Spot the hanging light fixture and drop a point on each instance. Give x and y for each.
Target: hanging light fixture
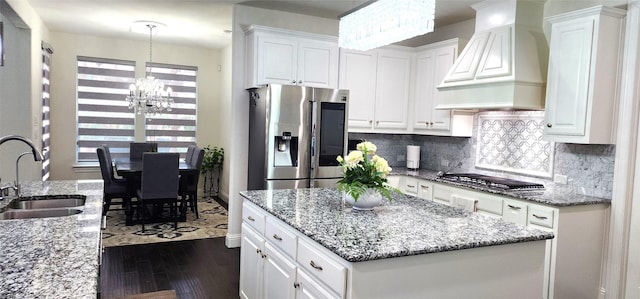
(148, 94)
(383, 22)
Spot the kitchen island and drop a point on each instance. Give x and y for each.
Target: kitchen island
(52, 257)
(410, 248)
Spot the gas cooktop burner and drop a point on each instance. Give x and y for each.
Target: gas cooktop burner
(491, 181)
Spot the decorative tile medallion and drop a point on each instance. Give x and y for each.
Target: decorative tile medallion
(512, 141)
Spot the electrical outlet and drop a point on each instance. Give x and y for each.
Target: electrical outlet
(444, 162)
(400, 157)
(560, 179)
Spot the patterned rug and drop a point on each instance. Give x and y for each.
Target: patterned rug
(212, 223)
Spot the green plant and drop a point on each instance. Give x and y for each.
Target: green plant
(362, 172)
(213, 158)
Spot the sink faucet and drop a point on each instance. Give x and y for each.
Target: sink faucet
(37, 156)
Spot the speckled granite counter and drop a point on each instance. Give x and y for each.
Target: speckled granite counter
(407, 226)
(554, 196)
(52, 257)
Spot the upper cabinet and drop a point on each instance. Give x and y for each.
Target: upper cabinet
(379, 85)
(281, 56)
(432, 64)
(584, 68)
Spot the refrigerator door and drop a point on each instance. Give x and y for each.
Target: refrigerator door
(328, 133)
(287, 184)
(288, 142)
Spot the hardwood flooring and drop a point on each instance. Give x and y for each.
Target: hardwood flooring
(203, 268)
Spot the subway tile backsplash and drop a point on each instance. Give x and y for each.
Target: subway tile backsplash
(589, 168)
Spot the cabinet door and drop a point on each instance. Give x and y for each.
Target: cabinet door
(443, 60)
(466, 66)
(424, 90)
(392, 89)
(277, 60)
(251, 263)
(394, 181)
(317, 64)
(496, 61)
(568, 77)
(279, 275)
(307, 288)
(358, 75)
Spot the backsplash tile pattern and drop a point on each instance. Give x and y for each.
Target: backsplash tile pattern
(588, 167)
(513, 142)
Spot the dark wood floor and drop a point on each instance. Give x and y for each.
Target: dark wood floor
(203, 268)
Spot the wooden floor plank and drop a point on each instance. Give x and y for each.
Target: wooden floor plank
(203, 268)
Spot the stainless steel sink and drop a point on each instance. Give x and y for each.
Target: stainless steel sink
(46, 213)
(44, 202)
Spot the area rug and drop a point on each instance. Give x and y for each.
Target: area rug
(212, 223)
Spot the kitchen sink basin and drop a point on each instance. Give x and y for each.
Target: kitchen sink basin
(28, 214)
(46, 202)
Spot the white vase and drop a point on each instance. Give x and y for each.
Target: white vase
(367, 201)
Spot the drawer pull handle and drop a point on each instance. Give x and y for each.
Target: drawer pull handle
(277, 237)
(423, 186)
(411, 186)
(312, 264)
(540, 217)
(296, 285)
(514, 207)
(251, 218)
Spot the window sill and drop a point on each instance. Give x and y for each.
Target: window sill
(86, 167)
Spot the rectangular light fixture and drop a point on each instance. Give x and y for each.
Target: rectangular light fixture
(384, 22)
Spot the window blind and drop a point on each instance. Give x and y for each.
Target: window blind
(175, 130)
(103, 114)
(45, 114)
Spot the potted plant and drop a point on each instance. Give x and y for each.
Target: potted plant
(365, 177)
(211, 168)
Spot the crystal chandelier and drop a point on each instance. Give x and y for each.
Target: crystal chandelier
(384, 22)
(148, 94)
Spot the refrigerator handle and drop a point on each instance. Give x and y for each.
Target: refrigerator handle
(313, 146)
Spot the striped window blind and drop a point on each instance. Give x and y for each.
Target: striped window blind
(103, 114)
(175, 130)
(45, 114)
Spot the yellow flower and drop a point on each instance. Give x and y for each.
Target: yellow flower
(367, 147)
(381, 165)
(339, 159)
(353, 158)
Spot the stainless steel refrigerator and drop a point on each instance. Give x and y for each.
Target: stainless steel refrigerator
(295, 135)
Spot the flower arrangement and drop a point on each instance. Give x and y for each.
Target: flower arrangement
(363, 169)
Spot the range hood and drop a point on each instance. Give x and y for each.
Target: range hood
(504, 65)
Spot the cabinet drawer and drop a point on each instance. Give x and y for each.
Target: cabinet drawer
(410, 186)
(515, 212)
(442, 194)
(540, 216)
(254, 217)
(425, 189)
(281, 237)
(322, 266)
(489, 205)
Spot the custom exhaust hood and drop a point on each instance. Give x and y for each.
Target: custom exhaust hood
(504, 65)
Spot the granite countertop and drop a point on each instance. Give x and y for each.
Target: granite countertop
(52, 257)
(406, 226)
(551, 195)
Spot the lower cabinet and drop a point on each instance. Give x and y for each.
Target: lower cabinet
(417, 187)
(274, 263)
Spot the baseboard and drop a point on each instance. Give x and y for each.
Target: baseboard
(224, 196)
(233, 240)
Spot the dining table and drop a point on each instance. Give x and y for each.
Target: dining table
(131, 171)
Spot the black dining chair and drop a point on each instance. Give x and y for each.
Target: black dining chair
(136, 149)
(159, 185)
(189, 182)
(190, 149)
(113, 187)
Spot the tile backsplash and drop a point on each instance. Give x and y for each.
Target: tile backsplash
(589, 168)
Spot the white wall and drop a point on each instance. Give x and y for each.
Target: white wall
(63, 90)
(20, 87)
(225, 119)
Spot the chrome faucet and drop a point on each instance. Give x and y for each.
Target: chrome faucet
(37, 156)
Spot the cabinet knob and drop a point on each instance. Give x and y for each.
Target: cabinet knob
(431, 123)
(296, 285)
(299, 81)
(426, 123)
(258, 251)
(377, 122)
(549, 125)
(293, 82)
(370, 121)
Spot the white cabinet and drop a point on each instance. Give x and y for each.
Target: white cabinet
(515, 211)
(287, 57)
(584, 67)
(417, 187)
(251, 263)
(432, 64)
(425, 189)
(279, 275)
(379, 85)
(307, 288)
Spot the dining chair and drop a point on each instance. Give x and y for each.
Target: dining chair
(189, 182)
(112, 187)
(190, 149)
(159, 183)
(136, 149)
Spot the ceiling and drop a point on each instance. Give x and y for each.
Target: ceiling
(199, 23)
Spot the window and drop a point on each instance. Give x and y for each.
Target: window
(176, 129)
(103, 115)
(45, 114)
